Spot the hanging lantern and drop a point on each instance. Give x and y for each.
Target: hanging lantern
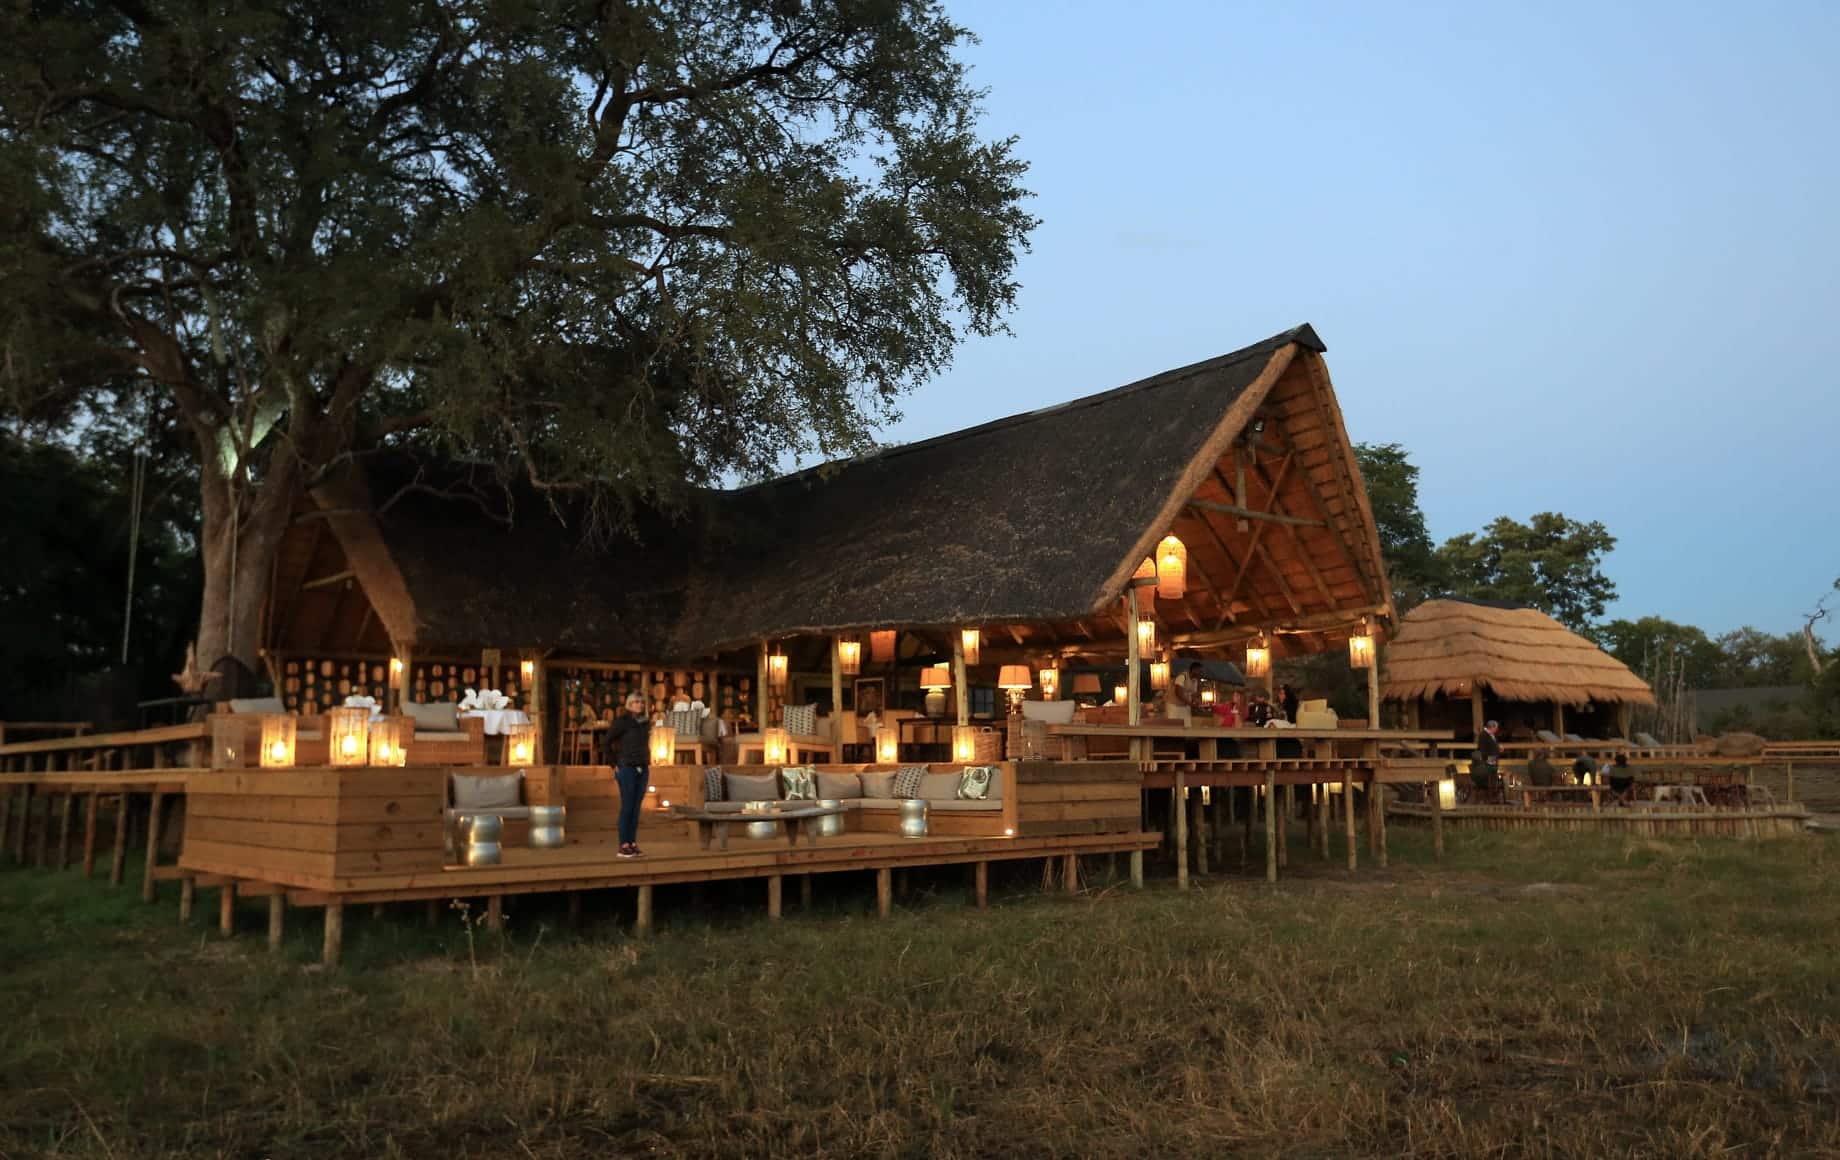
(881, 645)
(1361, 648)
(1208, 694)
(964, 743)
(888, 744)
(1159, 674)
(664, 744)
(520, 744)
(972, 638)
(1146, 637)
(849, 657)
(1171, 568)
(1050, 680)
(1143, 586)
(278, 740)
(776, 670)
(227, 733)
(386, 747)
(1119, 693)
(527, 672)
(1258, 659)
(346, 729)
(396, 670)
(774, 746)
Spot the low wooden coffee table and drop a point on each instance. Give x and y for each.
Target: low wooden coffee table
(797, 816)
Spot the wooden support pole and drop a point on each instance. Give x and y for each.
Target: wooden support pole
(1475, 710)
(119, 859)
(535, 702)
(401, 685)
(1271, 825)
(642, 922)
(42, 848)
(1070, 873)
(1348, 820)
(805, 891)
(226, 909)
(574, 908)
(1200, 831)
(1437, 821)
(431, 913)
(65, 810)
(1322, 820)
(762, 699)
(1286, 806)
(1380, 823)
(90, 800)
(980, 884)
(7, 793)
(884, 891)
(148, 891)
(1371, 794)
(495, 913)
(334, 943)
(188, 891)
(776, 884)
(277, 910)
(1137, 869)
(961, 693)
(1181, 817)
(837, 694)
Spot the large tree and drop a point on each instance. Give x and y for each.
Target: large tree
(1550, 562)
(1405, 543)
(615, 247)
(1653, 644)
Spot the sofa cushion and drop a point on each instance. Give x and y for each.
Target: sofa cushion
(752, 787)
(873, 803)
(907, 781)
(877, 783)
(446, 737)
(257, 705)
(960, 805)
(1049, 712)
(800, 783)
(839, 785)
(938, 786)
(975, 783)
(486, 792)
(433, 716)
(713, 788)
(801, 720)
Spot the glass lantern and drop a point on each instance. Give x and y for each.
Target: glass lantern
(386, 747)
(964, 743)
(888, 745)
(278, 730)
(664, 744)
(346, 734)
(774, 747)
(521, 744)
(228, 735)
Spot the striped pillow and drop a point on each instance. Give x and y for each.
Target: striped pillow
(687, 722)
(907, 781)
(715, 787)
(801, 720)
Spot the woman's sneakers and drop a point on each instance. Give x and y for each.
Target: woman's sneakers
(631, 850)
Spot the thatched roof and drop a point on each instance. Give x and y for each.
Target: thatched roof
(1449, 646)
(1035, 521)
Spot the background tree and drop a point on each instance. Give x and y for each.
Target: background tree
(1643, 642)
(619, 248)
(1550, 562)
(1405, 545)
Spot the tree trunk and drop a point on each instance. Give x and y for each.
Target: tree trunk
(238, 555)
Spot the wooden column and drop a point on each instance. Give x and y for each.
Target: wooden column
(1271, 825)
(884, 891)
(775, 889)
(980, 884)
(1322, 820)
(148, 891)
(495, 913)
(1199, 828)
(1348, 819)
(837, 695)
(277, 909)
(226, 909)
(1288, 796)
(1134, 709)
(1373, 692)
(188, 890)
(1558, 722)
(1475, 708)
(960, 693)
(534, 702)
(642, 920)
(805, 891)
(761, 697)
(1181, 794)
(401, 685)
(119, 859)
(1373, 820)
(1137, 869)
(334, 943)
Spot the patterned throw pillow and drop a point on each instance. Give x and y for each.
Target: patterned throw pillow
(907, 781)
(974, 782)
(688, 723)
(801, 782)
(715, 787)
(802, 720)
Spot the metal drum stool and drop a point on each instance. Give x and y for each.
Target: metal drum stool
(913, 818)
(546, 827)
(481, 832)
(831, 825)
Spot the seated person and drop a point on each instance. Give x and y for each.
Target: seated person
(1540, 770)
(1622, 778)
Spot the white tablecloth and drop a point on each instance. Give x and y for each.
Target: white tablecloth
(498, 721)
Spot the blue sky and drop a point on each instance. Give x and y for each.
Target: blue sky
(1582, 258)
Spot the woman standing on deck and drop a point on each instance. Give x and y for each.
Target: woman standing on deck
(629, 752)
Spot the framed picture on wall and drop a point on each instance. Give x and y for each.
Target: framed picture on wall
(870, 695)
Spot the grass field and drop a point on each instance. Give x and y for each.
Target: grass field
(1534, 996)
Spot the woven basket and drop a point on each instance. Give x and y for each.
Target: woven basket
(989, 745)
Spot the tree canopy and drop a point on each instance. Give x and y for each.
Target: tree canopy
(619, 248)
(1405, 542)
(1550, 562)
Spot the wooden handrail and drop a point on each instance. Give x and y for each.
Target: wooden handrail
(190, 731)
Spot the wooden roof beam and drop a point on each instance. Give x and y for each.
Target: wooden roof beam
(1252, 514)
(1303, 552)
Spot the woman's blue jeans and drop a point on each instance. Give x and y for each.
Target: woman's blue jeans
(632, 779)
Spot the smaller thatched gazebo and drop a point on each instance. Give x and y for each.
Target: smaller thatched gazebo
(1455, 663)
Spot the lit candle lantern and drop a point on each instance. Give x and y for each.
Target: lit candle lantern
(346, 731)
(849, 657)
(1208, 694)
(1258, 659)
(973, 640)
(888, 744)
(774, 746)
(1143, 585)
(664, 744)
(1171, 568)
(386, 746)
(1159, 674)
(776, 670)
(1050, 679)
(527, 672)
(1361, 651)
(520, 744)
(228, 732)
(278, 740)
(1447, 793)
(1118, 694)
(964, 743)
(1146, 637)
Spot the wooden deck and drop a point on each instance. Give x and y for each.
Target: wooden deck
(1772, 821)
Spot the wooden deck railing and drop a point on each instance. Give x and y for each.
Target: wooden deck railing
(103, 752)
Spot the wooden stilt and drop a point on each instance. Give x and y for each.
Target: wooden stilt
(1201, 834)
(1070, 873)
(188, 890)
(1371, 799)
(775, 886)
(1348, 820)
(1181, 820)
(119, 858)
(1271, 826)
(495, 913)
(884, 891)
(277, 908)
(980, 884)
(41, 856)
(149, 889)
(431, 913)
(90, 803)
(334, 943)
(574, 908)
(1322, 821)
(1284, 805)
(226, 910)
(64, 819)
(805, 891)
(7, 793)
(642, 923)
(25, 823)
(1437, 821)
(1379, 845)
(1137, 869)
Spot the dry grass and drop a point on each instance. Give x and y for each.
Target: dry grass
(1535, 996)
